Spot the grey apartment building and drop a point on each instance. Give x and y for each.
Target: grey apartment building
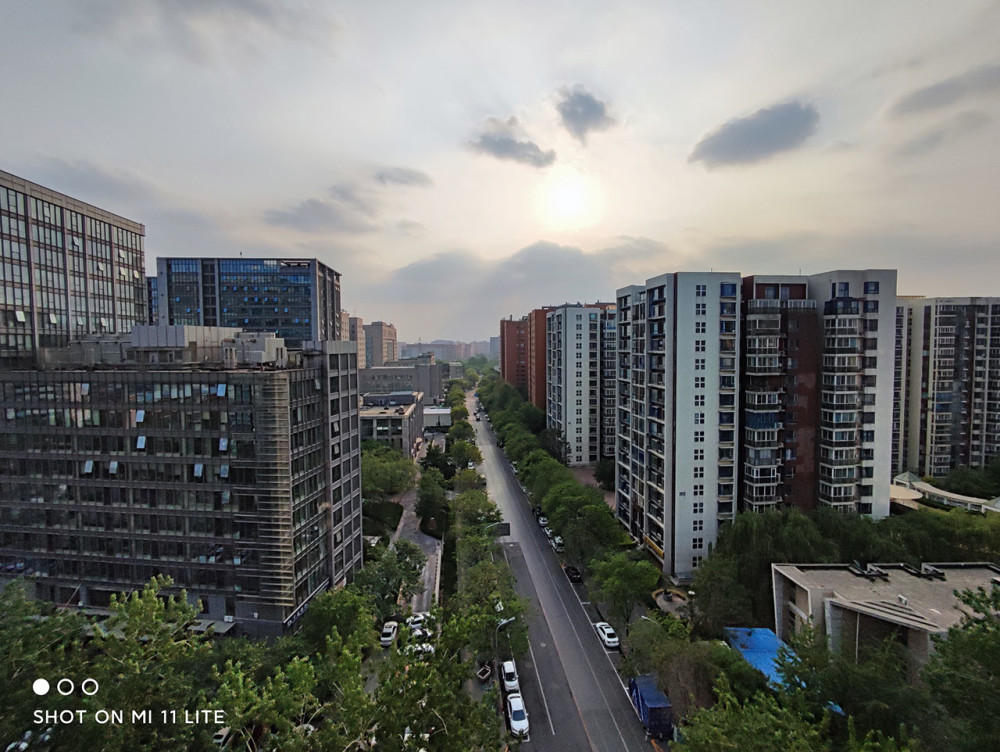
(947, 384)
(210, 455)
(380, 344)
(297, 299)
(69, 269)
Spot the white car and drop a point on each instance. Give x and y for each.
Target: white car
(517, 715)
(557, 544)
(419, 648)
(471, 465)
(607, 634)
(547, 531)
(417, 620)
(388, 633)
(543, 521)
(509, 673)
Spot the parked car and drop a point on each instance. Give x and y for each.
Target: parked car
(574, 574)
(543, 520)
(417, 620)
(389, 630)
(607, 634)
(510, 680)
(535, 510)
(517, 715)
(471, 465)
(419, 648)
(221, 737)
(547, 531)
(557, 544)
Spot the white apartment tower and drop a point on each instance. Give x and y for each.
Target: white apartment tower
(579, 379)
(678, 357)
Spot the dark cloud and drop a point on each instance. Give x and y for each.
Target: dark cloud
(502, 140)
(962, 124)
(318, 215)
(402, 176)
(347, 195)
(978, 81)
(750, 139)
(203, 31)
(581, 112)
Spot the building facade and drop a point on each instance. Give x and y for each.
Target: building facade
(69, 269)
(210, 455)
(577, 352)
(298, 299)
(776, 393)
(514, 353)
(380, 344)
(395, 419)
(678, 353)
(948, 384)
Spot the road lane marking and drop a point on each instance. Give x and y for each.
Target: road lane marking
(534, 665)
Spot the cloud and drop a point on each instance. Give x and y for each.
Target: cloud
(409, 227)
(348, 196)
(502, 139)
(402, 176)
(205, 31)
(978, 81)
(960, 125)
(317, 215)
(764, 134)
(581, 113)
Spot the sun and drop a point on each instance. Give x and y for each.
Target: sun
(568, 199)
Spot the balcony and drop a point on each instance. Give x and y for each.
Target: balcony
(761, 505)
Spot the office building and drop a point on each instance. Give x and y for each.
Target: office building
(578, 348)
(211, 455)
(345, 326)
(420, 374)
(297, 299)
(947, 384)
(678, 424)
(152, 315)
(395, 419)
(380, 344)
(69, 269)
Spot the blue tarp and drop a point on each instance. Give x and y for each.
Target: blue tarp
(760, 649)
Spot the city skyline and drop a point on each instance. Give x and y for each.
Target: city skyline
(462, 164)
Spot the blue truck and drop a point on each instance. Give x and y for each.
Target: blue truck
(652, 707)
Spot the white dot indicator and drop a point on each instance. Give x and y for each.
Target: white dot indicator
(41, 687)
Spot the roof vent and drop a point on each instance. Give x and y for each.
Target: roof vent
(902, 600)
(931, 572)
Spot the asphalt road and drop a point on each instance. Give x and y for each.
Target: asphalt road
(574, 697)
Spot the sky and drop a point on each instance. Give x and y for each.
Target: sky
(462, 162)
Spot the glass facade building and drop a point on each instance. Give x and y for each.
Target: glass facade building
(241, 484)
(297, 299)
(68, 269)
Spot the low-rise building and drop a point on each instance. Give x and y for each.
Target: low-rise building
(395, 419)
(857, 607)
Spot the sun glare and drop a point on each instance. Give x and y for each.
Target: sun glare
(568, 200)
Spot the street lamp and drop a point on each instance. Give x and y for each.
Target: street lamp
(496, 634)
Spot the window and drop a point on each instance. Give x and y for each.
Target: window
(699, 364)
(698, 490)
(699, 437)
(224, 471)
(699, 382)
(871, 288)
(113, 467)
(140, 416)
(699, 345)
(697, 543)
(700, 309)
(871, 306)
(700, 290)
(223, 444)
(698, 525)
(695, 562)
(699, 327)
(88, 467)
(727, 290)
(699, 455)
(199, 470)
(698, 507)
(698, 471)
(699, 400)
(699, 419)
(140, 442)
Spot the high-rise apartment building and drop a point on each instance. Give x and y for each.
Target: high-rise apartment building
(69, 269)
(678, 422)
(514, 352)
(345, 326)
(947, 384)
(356, 334)
(578, 347)
(210, 455)
(770, 390)
(298, 299)
(380, 344)
(152, 315)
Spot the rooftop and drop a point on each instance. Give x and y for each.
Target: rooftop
(916, 598)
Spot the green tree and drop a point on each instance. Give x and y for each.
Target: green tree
(430, 494)
(435, 458)
(721, 597)
(345, 610)
(963, 674)
(394, 575)
(760, 724)
(604, 474)
(621, 581)
(462, 453)
(466, 480)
